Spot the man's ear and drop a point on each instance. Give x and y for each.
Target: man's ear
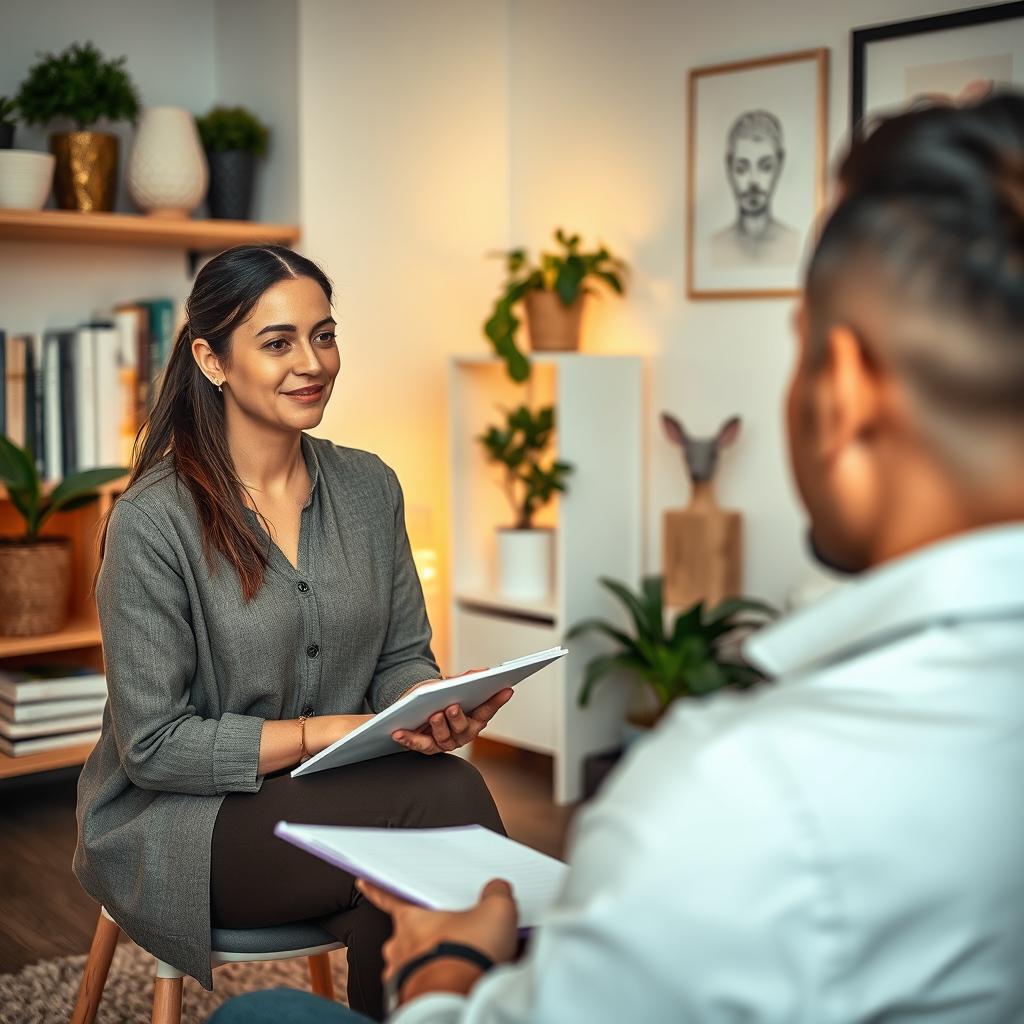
(849, 392)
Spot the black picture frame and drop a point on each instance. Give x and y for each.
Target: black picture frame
(863, 37)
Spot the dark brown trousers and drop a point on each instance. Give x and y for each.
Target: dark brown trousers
(258, 880)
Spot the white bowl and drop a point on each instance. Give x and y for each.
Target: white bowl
(25, 178)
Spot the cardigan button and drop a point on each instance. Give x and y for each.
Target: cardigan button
(303, 587)
(312, 650)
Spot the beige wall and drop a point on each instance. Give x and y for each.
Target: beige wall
(404, 164)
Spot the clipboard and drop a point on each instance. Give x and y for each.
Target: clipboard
(373, 738)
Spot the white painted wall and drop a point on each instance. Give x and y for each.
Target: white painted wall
(404, 164)
(598, 129)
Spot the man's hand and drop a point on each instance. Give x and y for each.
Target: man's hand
(453, 727)
(490, 926)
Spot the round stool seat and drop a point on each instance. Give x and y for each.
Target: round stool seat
(279, 939)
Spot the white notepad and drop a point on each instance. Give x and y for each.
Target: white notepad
(373, 738)
(437, 868)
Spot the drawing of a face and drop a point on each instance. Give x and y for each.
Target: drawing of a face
(753, 167)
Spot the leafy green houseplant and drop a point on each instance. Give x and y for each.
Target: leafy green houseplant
(81, 86)
(519, 446)
(34, 570)
(530, 479)
(233, 138)
(8, 120)
(553, 290)
(693, 657)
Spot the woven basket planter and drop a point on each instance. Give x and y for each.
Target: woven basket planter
(35, 586)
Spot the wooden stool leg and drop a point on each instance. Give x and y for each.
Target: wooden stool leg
(166, 1001)
(94, 977)
(320, 980)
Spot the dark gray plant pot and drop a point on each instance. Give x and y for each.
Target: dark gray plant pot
(6, 136)
(229, 196)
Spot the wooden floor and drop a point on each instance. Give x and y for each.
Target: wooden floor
(45, 914)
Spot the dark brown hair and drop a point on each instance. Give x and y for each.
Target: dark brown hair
(187, 420)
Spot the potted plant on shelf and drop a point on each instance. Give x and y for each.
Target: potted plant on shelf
(25, 176)
(79, 85)
(35, 572)
(695, 657)
(525, 552)
(553, 291)
(233, 138)
(8, 115)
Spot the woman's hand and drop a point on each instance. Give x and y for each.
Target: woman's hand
(490, 927)
(452, 728)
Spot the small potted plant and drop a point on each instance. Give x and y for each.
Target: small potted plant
(233, 138)
(525, 552)
(695, 657)
(79, 85)
(553, 292)
(35, 572)
(8, 120)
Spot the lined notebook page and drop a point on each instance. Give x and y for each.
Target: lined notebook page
(440, 868)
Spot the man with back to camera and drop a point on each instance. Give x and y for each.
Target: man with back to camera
(848, 844)
(754, 158)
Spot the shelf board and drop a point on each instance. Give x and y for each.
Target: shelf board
(113, 487)
(44, 761)
(490, 601)
(79, 633)
(137, 229)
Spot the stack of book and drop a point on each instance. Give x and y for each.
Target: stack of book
(48, 707)
(75, 397)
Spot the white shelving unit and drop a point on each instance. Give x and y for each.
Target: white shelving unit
(599, 532)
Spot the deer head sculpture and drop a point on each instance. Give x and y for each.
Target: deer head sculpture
(700, 454)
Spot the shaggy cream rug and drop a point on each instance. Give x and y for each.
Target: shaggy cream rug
(44, 993)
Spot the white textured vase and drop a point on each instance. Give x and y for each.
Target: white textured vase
(167, 170)
(526, 564)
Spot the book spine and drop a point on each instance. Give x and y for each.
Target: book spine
(51, 407)
(68, 406)
(3, 382)
(127, 321)
(15, 387)
(108, 399)
(85, 398)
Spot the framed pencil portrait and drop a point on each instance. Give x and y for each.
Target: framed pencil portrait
(756, 165)
(962, 53)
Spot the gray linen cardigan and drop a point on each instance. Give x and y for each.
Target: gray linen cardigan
(193, 671)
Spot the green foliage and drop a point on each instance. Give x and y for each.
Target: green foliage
(8, 110)
(18, 474)
(80, 85)
(565, 273)
(690, 659)
(228, 128)
(519, 445)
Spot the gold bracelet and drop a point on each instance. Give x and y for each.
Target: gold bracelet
(304, 754)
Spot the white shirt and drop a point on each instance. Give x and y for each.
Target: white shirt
(844, 845)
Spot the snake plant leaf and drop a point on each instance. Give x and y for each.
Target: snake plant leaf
(606, 628)
(653, 589)
(707, 677)
(688, 622)
(734, 605)
(639, 612)
(81, 483)
(16, 469)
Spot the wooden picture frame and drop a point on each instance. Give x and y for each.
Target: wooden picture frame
(754, 255)
(947, 31)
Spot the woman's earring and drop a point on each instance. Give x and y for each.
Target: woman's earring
(220, 387)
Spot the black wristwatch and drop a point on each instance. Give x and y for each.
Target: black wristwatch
(443, 950)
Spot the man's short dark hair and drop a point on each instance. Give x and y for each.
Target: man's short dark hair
(930, 223)
(756, 124)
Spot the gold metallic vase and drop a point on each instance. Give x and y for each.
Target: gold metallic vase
(86, 175)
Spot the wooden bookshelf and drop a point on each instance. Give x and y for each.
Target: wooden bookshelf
(44, 761)
(136, 229)
(80, 641)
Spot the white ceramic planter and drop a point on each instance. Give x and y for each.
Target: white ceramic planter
(25, 179)
(167, 170)
(526, 564)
